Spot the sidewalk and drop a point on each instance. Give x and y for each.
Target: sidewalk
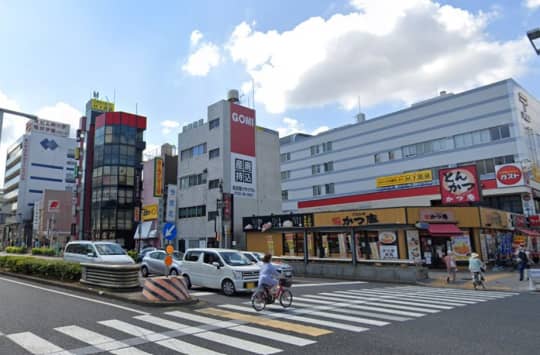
(495, 281)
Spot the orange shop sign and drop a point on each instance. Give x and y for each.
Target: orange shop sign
(360, 217)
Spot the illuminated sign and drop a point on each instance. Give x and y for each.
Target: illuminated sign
(150, 212)
(102, 106)
(508, 175)
(402, 179)
(158, 177)
(459, 185)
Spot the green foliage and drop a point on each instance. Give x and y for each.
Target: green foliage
(134, 254)
(53, 269)
(16, 250)
(43, 251)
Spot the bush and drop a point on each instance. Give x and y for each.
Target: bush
(134, 254)
(53, 269)
(15, 250)
(43, 251)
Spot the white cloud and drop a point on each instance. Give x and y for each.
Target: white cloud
(204, 58)
(383, 51)
(532, 4)
(195, 37)
(293, 126)
(168, 125)
(151, 151)
(15, 126)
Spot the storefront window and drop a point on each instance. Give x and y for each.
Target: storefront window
(293, 244)
(377, 245)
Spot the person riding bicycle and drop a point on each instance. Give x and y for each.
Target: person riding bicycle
(268, 274)
(476, 267)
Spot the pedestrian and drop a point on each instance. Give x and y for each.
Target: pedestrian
(476, 267)
(451, 267)
(523, 262)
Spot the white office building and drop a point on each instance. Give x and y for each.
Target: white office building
(394, 160)
(228, 168)
(43, 158)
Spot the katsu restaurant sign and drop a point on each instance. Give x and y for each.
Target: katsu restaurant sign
(459, 185)
(361, 217)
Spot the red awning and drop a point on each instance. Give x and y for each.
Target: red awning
(529, 232)
(444, 229)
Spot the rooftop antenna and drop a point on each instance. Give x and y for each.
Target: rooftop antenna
(253, 91)
(114, 96)
(360, 117)
(136, 108)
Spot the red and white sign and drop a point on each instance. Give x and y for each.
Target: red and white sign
(509, 175)
(459, 185)
(53, 206)
(534, 221)
(243, 161)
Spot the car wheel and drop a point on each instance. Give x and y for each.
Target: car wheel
(144, 271)
(227, 286)
(173, 272)
(188, 281)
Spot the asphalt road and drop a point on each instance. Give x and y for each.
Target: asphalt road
(344, 318)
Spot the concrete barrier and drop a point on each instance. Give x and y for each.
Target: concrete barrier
(110, 276)
(166, 289)
(534, 279)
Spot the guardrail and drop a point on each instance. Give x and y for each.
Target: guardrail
(110, 276)
(534, 279)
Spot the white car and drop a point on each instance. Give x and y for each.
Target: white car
(224, 269)
(256, 257)
(85, 251)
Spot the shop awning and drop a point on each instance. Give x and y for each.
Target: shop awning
(443, 229)
(529, 232)
(144, 231)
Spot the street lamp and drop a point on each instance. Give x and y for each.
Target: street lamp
(534, 37)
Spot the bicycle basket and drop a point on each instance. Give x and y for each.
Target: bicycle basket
(285, 282)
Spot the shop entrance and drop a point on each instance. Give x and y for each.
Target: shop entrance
(434, 249)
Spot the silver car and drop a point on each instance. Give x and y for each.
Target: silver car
(154, 263)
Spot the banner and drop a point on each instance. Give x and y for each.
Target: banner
(53, 206)
(459, 185)
(150, 212)
(461, 246)
(243, 160)
(403, 179)
(158, 177)
(170, 212)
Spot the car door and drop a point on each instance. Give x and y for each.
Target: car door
(155, 263)
(191, 266)
(210, 274)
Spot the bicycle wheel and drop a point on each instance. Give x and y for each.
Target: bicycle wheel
(286, 298)
(258, 301)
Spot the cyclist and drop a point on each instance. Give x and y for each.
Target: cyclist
(476, 268)
(268, 274)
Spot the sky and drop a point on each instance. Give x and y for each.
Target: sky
(305, 65)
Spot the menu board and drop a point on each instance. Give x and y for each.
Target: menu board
(413, 245)
(461, 246)
(388, 252)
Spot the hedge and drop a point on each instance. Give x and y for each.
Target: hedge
(43, 251)
(54, 269)
(16, 250)
(133, 253)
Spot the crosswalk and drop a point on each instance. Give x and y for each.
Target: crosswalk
(237, 328)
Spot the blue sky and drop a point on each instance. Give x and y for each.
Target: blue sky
(311, 61)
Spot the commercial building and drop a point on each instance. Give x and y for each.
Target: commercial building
(43, 158)
(52, 218)
(112, 169)
(228, 168)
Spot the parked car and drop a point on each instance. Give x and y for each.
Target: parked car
(256, 258)
(154, 263)
(84, 251)
(225, 269)
(143, 253)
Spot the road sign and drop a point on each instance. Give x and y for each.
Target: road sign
(169, 231)
(169, 249)
(168, 260)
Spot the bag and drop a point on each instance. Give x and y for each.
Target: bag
(483, 269)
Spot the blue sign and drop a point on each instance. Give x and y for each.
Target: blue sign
(169, 231)
(49, 144)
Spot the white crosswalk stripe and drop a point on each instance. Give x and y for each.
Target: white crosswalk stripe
(404, 296)
(99, 341)
(35, 344)
(388, 300)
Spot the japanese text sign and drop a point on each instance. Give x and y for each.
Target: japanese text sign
(459, 185)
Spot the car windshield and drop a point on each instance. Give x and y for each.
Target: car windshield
(234, 259)
(251, 258)
(178, 255)
(259, 256)
(110, 249)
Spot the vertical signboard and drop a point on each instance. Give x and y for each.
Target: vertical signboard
(459, 185)
(158, 177)
(170, 212)
(243, 161)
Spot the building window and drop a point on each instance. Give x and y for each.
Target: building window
(213, 123)
(212, 215)
(328, 166)
(285, 175)
(192, 180)
(329, 188)
(213, 184)
(316, 190)
(214, 153)
(191, 212)
(314, 149)
(327, 147)
(192, 152)
(285, 157)
(284, 195)
(315, 169)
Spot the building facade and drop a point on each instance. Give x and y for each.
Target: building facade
(394, 160)
(228, 168)
(43, 158)
(52, 218)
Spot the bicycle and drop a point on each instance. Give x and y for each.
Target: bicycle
(263, 296)
(478, 280)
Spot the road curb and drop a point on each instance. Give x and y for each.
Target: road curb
(76, 286)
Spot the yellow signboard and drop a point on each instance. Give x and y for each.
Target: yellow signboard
(361, 217)
(103, 106)
(158, 177)
(150, 212)
(402, 179)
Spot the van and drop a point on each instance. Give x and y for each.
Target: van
(225, 269)
(85, 251)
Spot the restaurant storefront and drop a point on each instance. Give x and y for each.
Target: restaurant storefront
(414, 235)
